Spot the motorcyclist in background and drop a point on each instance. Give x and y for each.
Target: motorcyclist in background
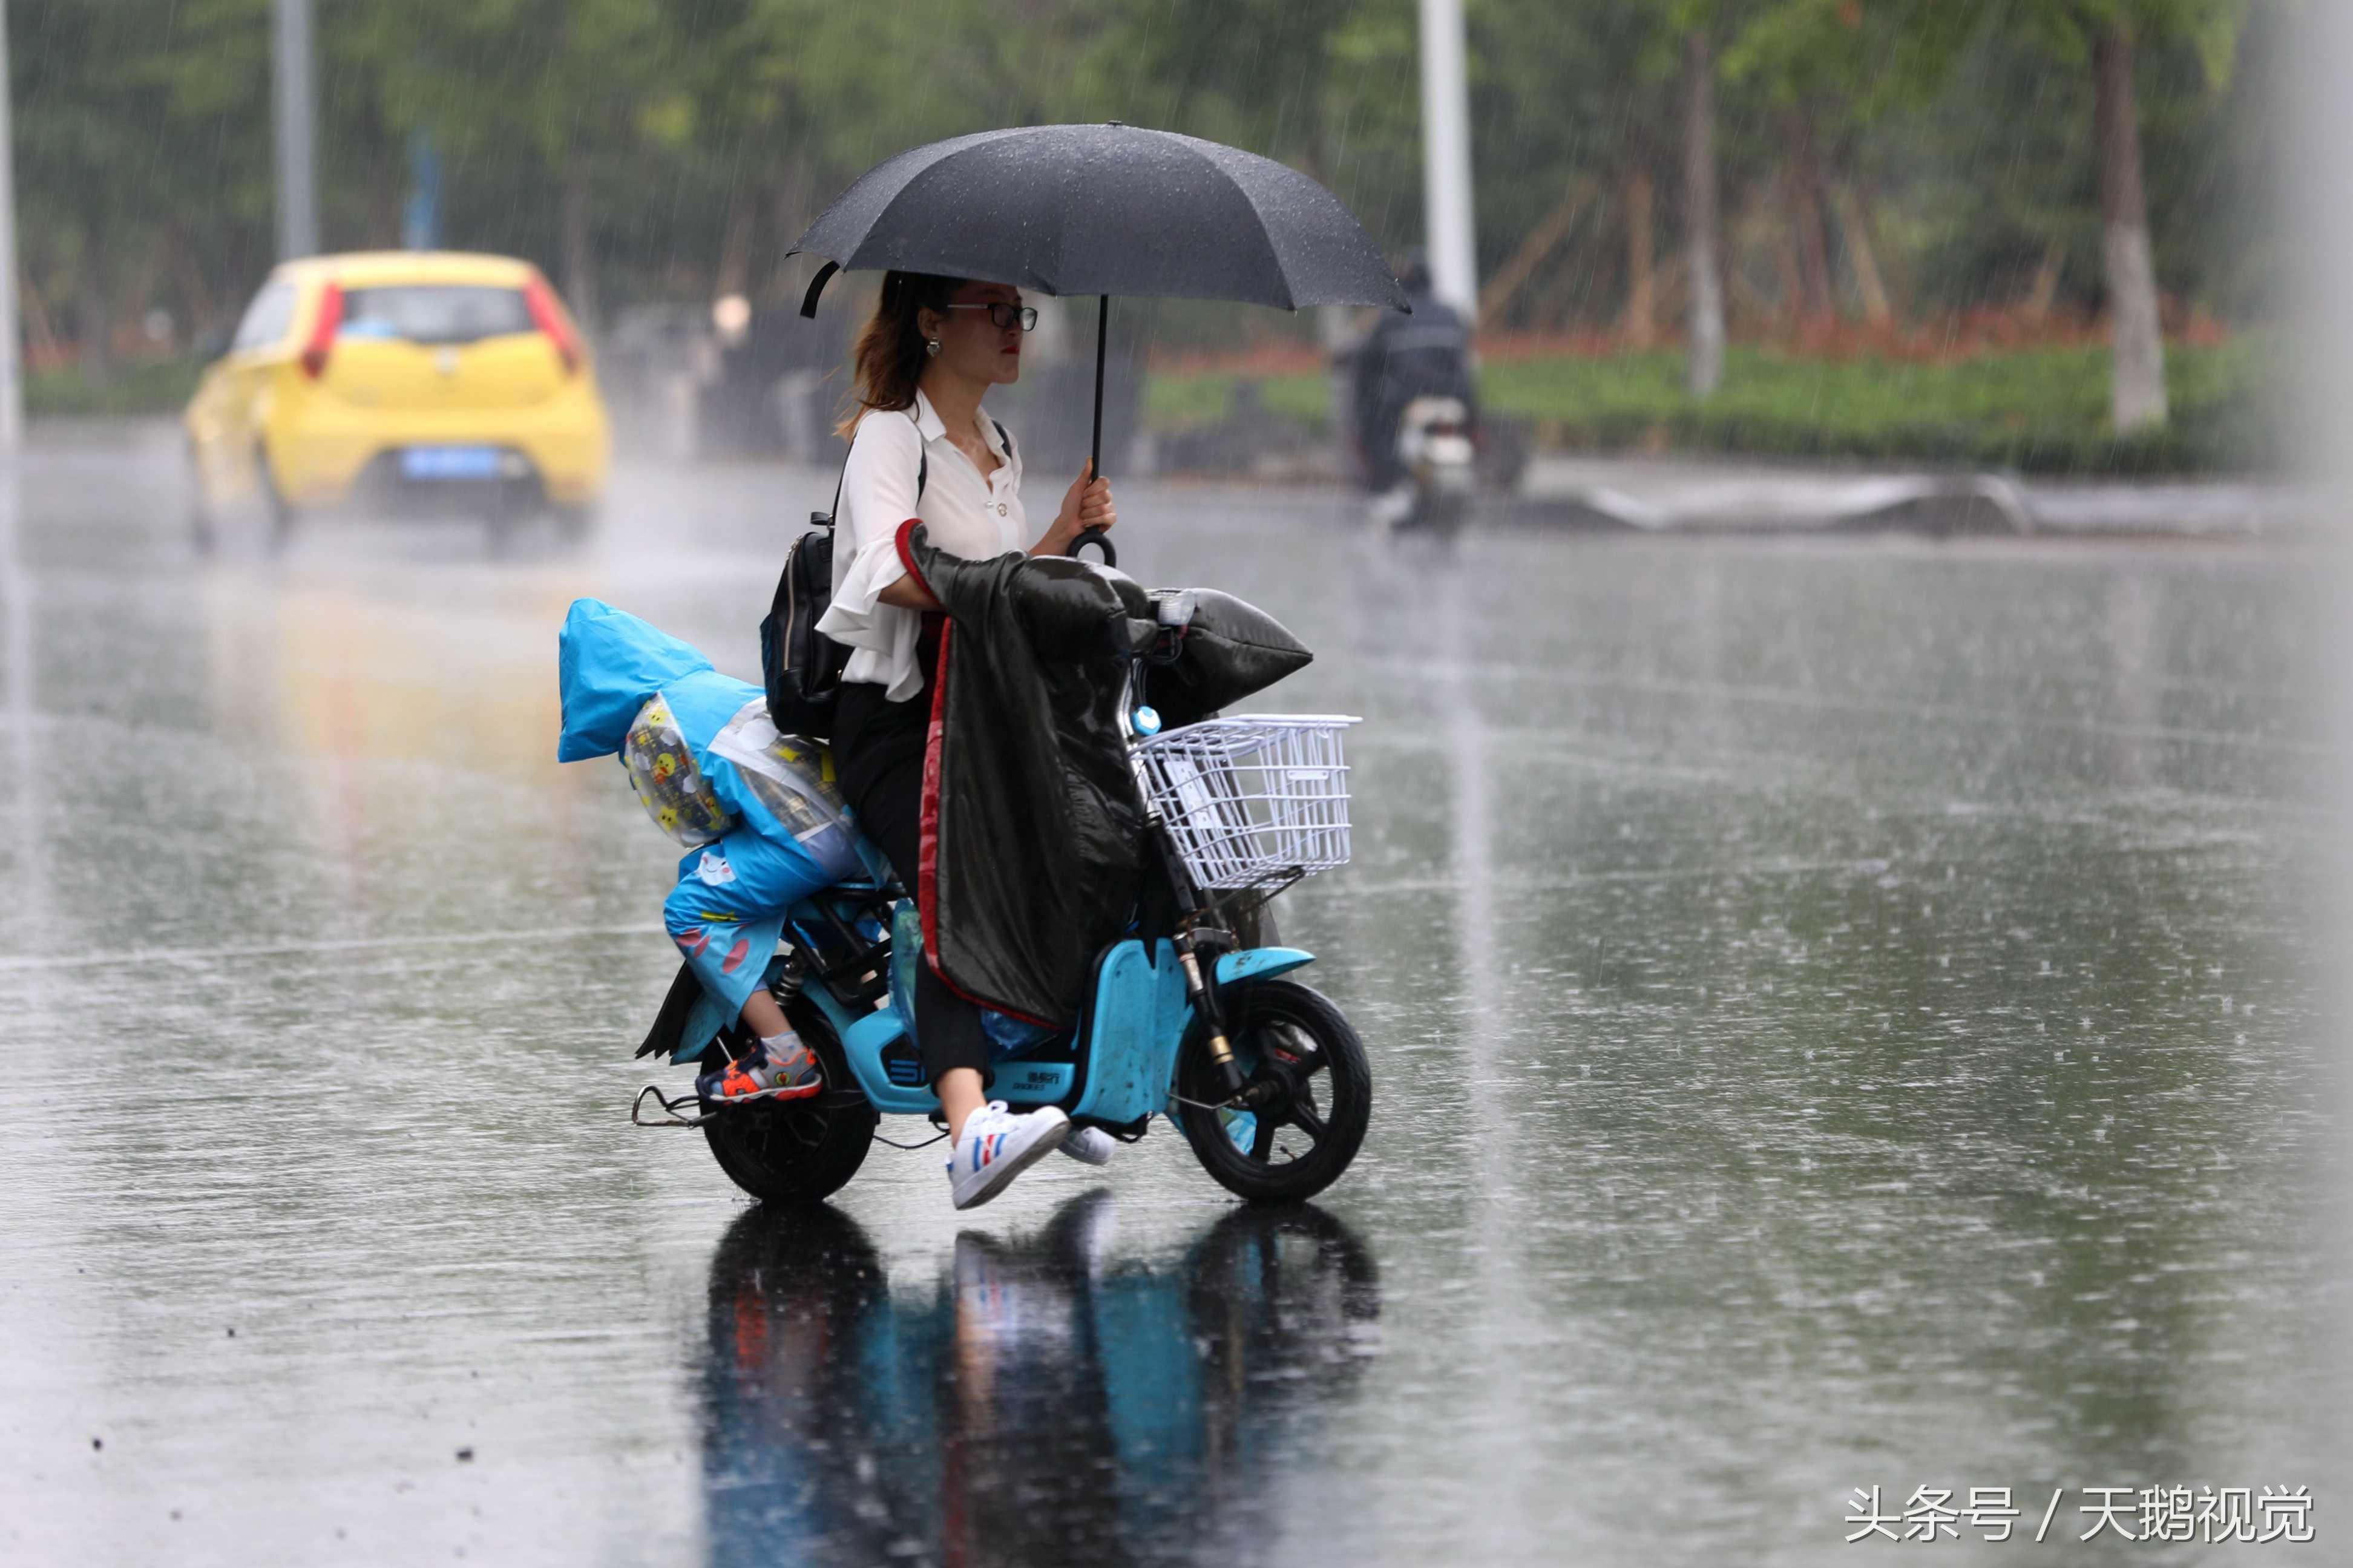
(1425, 354)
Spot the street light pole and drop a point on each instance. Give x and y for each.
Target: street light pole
(1446, 157)
(297, 105)
(11, 376)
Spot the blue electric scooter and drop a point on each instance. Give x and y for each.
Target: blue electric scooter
(1264, 1077)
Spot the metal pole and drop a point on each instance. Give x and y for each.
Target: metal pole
(297, 103)
(12, 380)
(1446, 157)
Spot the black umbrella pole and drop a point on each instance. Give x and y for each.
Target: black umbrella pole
(1096, 536)
(1103, 346)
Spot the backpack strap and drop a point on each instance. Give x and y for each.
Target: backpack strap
(922, 473)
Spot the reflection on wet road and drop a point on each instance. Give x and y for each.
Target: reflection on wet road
(1842, 1014)
(1045, 1398)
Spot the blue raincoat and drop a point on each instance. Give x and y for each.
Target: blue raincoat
(788, 836)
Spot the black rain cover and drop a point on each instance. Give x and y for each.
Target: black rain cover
(1032, 839)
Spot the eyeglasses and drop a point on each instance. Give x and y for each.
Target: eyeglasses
(1003, 315)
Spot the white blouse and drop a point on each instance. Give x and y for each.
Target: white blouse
(966, 515)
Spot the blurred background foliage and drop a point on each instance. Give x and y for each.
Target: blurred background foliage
(1904, 183)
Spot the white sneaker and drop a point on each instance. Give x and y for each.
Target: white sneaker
(1390, 507)
(998, 1146)
(1089, 1145)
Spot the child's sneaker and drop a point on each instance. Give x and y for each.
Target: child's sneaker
(1089, 1145)
(998, 1146)
(779, 1068)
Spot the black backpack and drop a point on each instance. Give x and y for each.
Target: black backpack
(800, 666)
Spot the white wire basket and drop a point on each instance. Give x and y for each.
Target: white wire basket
(1256, 801)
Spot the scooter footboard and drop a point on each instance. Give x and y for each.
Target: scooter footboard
(1126, 1062)
(1134, 1023)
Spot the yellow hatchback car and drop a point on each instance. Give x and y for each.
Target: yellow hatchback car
(408, 380)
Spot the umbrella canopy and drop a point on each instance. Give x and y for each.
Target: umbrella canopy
(1104, 209)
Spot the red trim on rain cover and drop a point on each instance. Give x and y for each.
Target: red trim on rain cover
(927, 853)
(906, 556)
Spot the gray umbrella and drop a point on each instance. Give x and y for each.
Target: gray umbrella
(1104, 209)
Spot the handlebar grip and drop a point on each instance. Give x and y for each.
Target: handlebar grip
(1097, 537)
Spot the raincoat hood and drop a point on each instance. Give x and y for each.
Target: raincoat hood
(609, 664)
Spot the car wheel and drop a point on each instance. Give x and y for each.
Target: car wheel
(575, 522)
(203, 532)
(273, 500)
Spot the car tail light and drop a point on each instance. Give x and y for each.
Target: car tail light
(323, 330)
(548, 317)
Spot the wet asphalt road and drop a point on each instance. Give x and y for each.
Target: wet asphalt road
(1844, 1014)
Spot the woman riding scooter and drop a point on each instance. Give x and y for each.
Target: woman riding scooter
(932, 350)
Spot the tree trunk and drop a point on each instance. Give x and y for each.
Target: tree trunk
(94, 327)
(1792, 318)
(579, 253)
(1817, 310)
(1513, 275)
(195, 294)
(1706, 366)
(40, 330)
(2139, 398)
(1640, 328)
(1854, 223)
(2045, 292)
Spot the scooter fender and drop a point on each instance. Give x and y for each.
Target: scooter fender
(1260, 963)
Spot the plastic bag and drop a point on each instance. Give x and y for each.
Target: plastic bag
(1007, 1037)
(671, 787)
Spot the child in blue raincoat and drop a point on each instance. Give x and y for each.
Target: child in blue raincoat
(759, 813)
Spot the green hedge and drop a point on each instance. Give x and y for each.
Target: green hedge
(139, 386)
(2039, 411)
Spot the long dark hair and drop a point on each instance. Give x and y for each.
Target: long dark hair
(889, 358)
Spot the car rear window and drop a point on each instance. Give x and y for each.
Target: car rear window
(434, 313)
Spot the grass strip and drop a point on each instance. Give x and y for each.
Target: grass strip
(2035, 411)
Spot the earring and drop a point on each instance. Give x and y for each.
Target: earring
(931, 346)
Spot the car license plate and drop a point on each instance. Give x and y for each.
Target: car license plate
(450, 463)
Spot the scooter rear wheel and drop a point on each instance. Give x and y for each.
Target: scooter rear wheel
(794, 1150)
(1310, 1084)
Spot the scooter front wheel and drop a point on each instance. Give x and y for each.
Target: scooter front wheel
(1306, 1096)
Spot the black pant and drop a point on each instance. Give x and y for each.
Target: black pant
(878, 747)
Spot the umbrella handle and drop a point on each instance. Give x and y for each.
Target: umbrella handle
(1103, 342)
(1097, 537)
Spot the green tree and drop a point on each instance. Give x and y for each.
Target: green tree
(1832, 70)
(1574, 111)
(2107, 36)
